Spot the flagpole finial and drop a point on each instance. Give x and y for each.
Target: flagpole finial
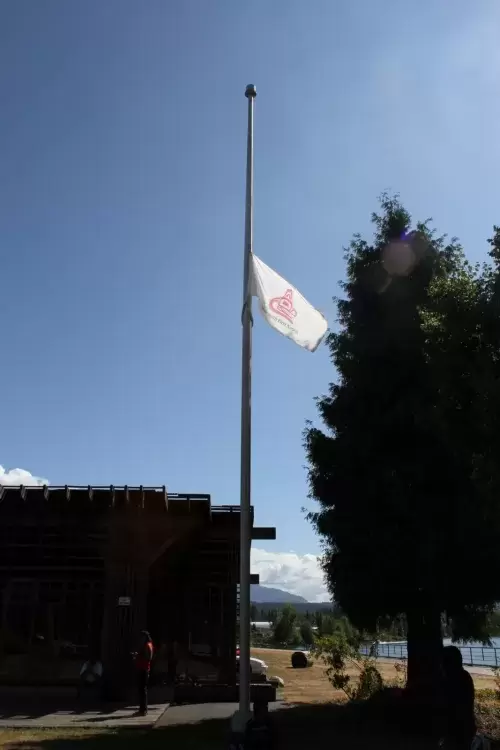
(250, 91)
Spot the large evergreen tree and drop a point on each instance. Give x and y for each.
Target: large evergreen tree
(406, 469)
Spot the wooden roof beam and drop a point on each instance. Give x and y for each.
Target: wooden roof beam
(267, 533)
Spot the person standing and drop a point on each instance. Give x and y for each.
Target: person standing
(143, 667)
(460, 722)
(90, 676)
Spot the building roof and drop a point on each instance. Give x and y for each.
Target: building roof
(103, 498)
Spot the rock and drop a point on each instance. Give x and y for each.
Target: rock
(277, 682)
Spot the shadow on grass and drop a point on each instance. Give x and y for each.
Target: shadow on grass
(207, 734)
(37, 708)
(333, 725)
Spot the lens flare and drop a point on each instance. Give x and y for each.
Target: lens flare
(398, 257)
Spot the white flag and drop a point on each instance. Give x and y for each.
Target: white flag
(285, 309)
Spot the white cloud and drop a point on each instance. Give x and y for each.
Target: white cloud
(15, 477)
(298, 574)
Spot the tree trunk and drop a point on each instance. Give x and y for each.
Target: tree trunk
(425, 645)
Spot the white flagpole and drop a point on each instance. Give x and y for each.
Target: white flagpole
(246, 424)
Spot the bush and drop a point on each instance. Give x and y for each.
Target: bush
(496, 673)
(261, 640)
(370, 681)
(400, 680)
(337, 653)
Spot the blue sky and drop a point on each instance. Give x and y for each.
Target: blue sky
(122, 144)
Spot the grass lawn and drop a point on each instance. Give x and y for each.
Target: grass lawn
(191, 738)
(312, 686)
(25, 739)
(208, 735)
(318, 711)
(294, 729)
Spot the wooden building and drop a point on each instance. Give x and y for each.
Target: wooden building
(84, 569)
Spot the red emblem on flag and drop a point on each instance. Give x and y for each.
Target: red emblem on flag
(284, 306)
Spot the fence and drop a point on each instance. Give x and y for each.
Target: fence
(473, 656)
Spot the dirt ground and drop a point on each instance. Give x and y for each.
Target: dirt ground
(311, 685)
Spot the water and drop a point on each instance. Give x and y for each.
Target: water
(473, 654)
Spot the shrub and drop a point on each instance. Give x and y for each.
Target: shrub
(337, 653)
(370, 680)
(496, 673)
(399, 681)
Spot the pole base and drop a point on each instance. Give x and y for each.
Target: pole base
(239, 721)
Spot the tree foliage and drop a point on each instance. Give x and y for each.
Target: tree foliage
(284, 628)
(405, 470)
(306, 633)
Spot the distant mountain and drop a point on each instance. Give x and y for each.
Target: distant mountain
(266, 594)
(264, 609)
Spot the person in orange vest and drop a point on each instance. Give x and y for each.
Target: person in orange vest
(143, 667)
